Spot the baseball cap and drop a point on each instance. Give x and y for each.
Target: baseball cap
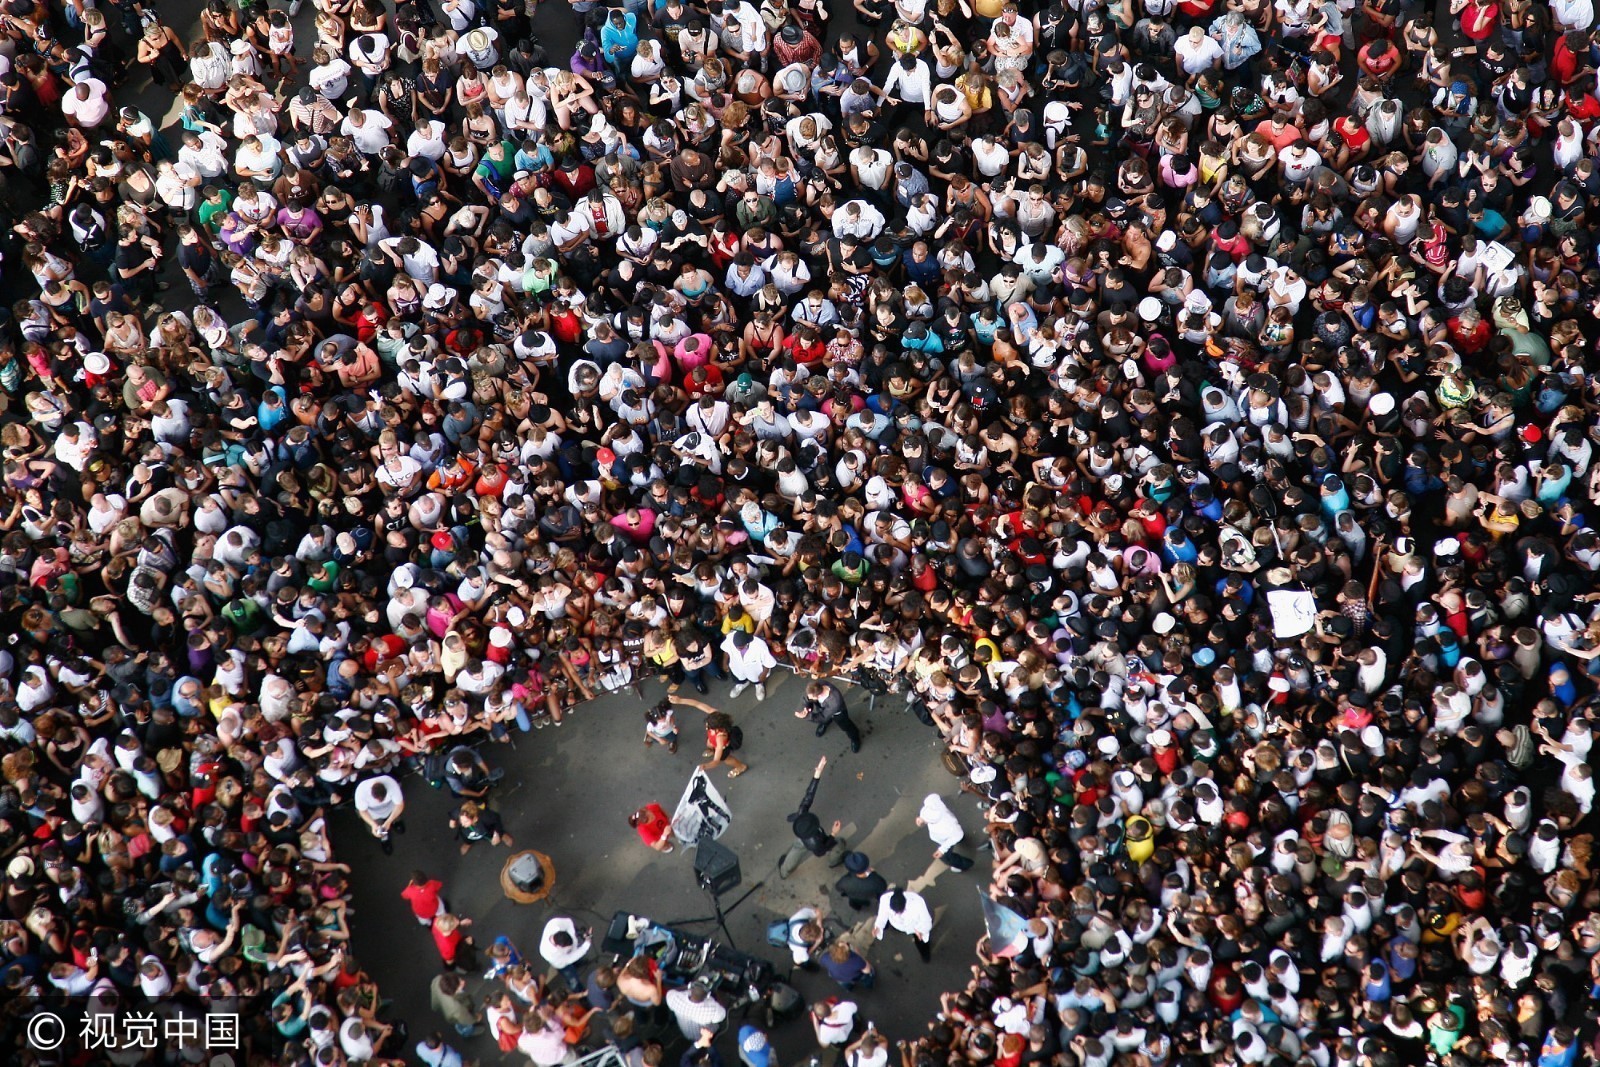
(753, 1047)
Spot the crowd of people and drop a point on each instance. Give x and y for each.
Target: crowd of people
(1184, 405)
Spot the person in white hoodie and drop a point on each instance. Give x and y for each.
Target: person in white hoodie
(945, 830)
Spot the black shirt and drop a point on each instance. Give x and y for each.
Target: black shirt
(865, 889)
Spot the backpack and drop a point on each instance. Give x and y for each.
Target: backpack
(735, 739)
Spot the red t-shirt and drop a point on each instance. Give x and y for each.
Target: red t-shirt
(448, 944)
(654, 826)
(424, 899)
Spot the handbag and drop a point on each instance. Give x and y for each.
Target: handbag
(953, 763)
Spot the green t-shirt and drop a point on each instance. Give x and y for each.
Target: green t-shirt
(210, 210)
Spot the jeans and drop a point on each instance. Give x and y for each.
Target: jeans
(703, 676)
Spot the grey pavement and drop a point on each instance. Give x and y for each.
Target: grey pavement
(568, 792)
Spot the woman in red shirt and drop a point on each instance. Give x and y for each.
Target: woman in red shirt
(450, 937)
(654, 828)
(1478, 17)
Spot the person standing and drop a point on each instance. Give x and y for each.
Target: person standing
(825, 706)
(723, 738)
(380, 804)
(945, 830)
(562, 945)
(654, 826)
(907, 912)
(750, 661)
(860, 885)
(449, 996)
(810, 838)
(434, 1052)
(424, 896)
(696, 1009)
(755, 1049)
(847, 966)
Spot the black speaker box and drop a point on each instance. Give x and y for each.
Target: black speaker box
(716, 867)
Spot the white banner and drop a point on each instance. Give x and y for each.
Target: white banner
(702, 810)
(1294, 612)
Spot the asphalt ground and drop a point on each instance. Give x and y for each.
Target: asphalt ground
(568, 791)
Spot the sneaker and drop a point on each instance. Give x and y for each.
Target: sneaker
(294, 8)
(737, 689)
(761, 691)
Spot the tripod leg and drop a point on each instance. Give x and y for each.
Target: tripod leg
(722, 919)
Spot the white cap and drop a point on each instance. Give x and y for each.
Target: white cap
(1380, 404)
(1278, 684)
(1149, 309)
(1161, 738)
(1163, 623)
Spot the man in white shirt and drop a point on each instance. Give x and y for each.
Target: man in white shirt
(205, 151)
(907, 912)
(696, 1010)
(258, 157)
(749, 661)
(910, 82)
(871, 167)
(370, 54)
(833, 1020)
(416, 258)
(87, 103)
(563, 945)
(479, 46)
(369, 129)
(860, 220)
(329, 74)
(1573, 14)
(75, 443)
(1196, 52)
(380, 804)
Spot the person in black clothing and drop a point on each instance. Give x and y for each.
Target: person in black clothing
(810, 838)
(861, 886)
(474, 823)
(825, 706)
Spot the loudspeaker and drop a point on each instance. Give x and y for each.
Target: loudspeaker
(716, 867)
(526, 873)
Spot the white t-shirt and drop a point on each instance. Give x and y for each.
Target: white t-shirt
(330, 79)
(370, 805)
(372, 135)
(1196, 57)
(91, 111)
